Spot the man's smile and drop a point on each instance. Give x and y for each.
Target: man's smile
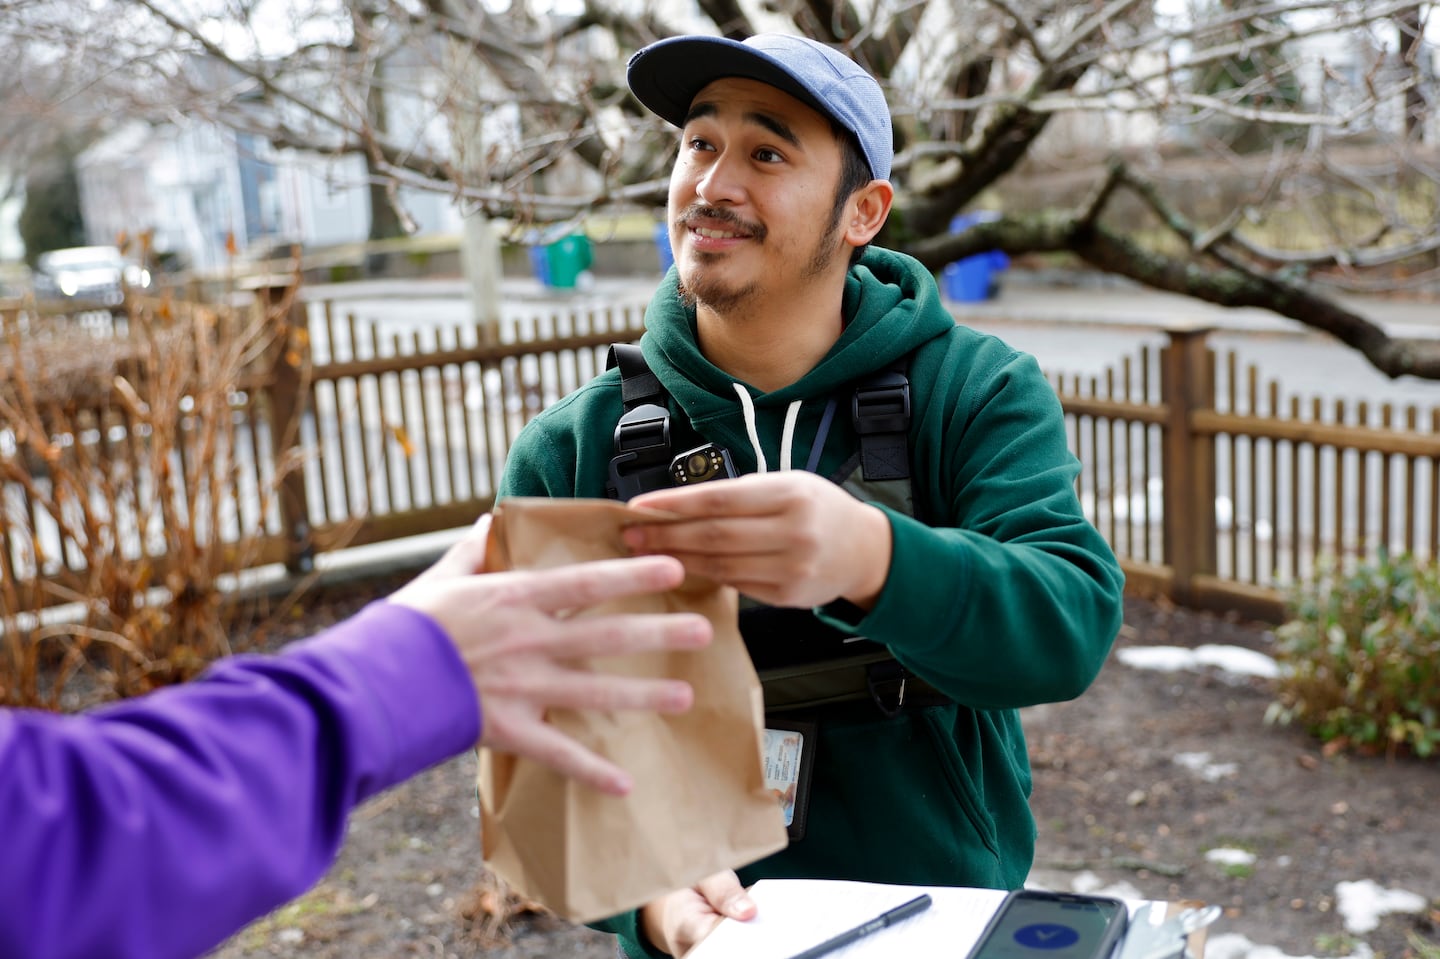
(716, 234)
(712, 223)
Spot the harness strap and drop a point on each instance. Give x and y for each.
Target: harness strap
(643, 443)
(880, 411)
(802, 662)
(878, 677)
(638, 385)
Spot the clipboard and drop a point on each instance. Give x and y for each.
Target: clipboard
(795, 914)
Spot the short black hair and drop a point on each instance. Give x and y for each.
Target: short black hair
(854, 174)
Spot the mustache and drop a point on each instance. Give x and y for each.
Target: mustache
(700, 211)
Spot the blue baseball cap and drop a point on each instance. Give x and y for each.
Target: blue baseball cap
(666, 76)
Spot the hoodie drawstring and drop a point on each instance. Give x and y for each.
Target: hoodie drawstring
(787, 435)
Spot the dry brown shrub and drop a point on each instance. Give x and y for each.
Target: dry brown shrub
(491, 907)
(137, 475)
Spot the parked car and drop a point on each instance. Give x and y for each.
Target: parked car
(91, 273)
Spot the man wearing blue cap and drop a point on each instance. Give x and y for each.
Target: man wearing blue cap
(903, 523)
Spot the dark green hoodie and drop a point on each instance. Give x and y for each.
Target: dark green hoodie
(1008, 598)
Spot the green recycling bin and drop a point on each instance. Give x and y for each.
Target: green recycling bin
(567, 257)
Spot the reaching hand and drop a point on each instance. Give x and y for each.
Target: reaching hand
(787, 539)
(675, 923)
(511, 630)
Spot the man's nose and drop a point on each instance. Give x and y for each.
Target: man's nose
(722, 182)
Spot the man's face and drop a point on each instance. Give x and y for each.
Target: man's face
(752, 196)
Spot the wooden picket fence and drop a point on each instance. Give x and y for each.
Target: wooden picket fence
(1214, 487)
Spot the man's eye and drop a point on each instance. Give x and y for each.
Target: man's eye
(696, 143)
(767, 155)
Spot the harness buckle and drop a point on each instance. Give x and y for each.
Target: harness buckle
(886, 680)
(642, 451)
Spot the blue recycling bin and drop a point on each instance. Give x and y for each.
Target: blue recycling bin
(662, 247)
(540, 263)
(972, 279)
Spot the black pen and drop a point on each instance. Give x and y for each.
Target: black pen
(903, 911)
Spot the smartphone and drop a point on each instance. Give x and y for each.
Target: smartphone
(1035, 924)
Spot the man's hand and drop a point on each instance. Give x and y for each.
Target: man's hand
(512, 632)
(676, 923)
(787, 539)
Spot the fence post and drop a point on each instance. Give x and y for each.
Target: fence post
(1187, 384)
(286, 362)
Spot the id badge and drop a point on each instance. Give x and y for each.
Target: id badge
(789, 755)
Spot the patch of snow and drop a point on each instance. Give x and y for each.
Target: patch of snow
(1362, 903)
(1092, 885)
(1227, 856)
(1232, 945)
(1172, 659)
(1200, 765)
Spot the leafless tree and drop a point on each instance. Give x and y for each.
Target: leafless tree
(45, 99)
(1268, 153)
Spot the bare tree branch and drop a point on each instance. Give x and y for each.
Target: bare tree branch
(1281, 144)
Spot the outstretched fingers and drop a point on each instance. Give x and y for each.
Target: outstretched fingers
(545, 744)
(621, 634)
(562, 688)
(588, 584)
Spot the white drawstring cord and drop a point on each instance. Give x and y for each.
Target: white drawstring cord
(787, 435)
(747, 407)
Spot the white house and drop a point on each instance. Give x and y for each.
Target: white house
(197, 184)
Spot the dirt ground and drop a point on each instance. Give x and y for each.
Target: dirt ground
(1112, 803)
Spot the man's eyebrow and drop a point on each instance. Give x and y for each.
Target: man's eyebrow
(775, 125)
(698, 110)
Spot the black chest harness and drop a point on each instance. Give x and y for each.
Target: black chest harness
(802, 661)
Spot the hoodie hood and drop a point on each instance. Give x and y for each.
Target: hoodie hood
(891, 305)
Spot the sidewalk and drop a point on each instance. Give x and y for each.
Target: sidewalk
(1140, 307)
(1020, 301)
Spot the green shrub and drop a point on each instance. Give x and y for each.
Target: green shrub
(1362, 656)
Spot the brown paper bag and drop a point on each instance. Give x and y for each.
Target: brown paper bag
(699, 804)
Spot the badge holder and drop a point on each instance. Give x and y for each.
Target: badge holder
(789, 760)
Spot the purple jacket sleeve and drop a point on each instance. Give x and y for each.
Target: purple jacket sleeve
(157, 827)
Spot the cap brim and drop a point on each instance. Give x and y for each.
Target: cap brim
(667, 75)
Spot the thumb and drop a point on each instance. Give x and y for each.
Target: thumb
(726, 896)
(466, 556)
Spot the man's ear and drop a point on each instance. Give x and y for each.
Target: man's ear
(868, 208)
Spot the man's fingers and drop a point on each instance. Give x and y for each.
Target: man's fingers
(738, 536)
(696, 928)
(749, 495)
(726, 895)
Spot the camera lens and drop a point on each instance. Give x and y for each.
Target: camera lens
(697, 464)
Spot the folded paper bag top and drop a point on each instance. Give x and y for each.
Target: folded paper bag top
(699, 804)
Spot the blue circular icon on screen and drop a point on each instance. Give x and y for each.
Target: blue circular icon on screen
(1046, 935)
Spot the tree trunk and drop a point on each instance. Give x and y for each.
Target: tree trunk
(1412, 48)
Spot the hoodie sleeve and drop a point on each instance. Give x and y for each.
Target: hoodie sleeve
(1013, 598)
(157, 827)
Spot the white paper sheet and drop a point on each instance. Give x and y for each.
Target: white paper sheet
(795, 914)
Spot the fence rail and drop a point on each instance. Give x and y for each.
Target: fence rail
(1213, 486)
